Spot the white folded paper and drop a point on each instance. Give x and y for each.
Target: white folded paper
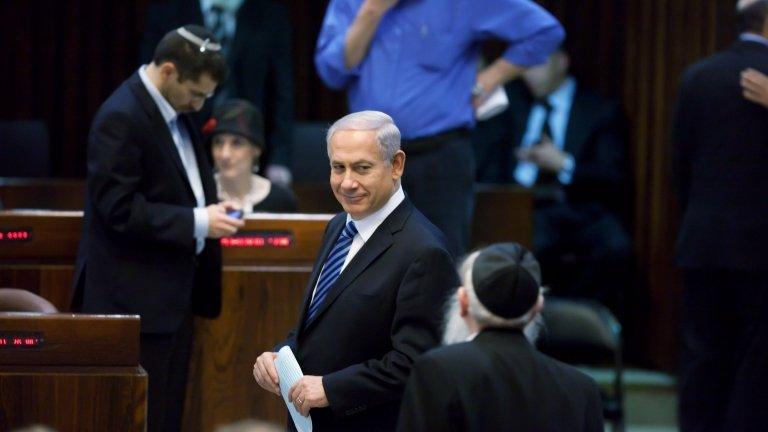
(495, 103)
(289, 371)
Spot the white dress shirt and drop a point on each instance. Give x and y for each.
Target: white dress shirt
(183, 144)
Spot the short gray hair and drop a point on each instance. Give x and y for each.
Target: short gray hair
(387, 133)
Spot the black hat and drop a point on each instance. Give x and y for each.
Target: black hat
(239, 117)
(506, 279)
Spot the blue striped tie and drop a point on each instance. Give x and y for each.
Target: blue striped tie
(332, 268)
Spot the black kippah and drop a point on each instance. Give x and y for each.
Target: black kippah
(501, 282)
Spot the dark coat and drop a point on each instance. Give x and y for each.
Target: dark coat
(720, 164)
(498, 382)
(382, 313)
(137, 252)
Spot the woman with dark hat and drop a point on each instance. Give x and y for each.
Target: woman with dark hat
(235, 133)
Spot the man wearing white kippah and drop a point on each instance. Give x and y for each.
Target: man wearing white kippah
(150, 237)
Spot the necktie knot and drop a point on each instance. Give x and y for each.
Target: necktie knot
(350, 230)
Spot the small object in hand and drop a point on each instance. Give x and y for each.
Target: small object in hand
(235, 213)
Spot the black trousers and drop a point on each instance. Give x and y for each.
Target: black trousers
(165, 357)
(724, 364)
(440, 182)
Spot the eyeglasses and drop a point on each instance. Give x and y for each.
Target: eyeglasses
(200, 95)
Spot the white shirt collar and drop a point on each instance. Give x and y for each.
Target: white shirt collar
(169, 114)
(562, 96)
(367, 225)
(753, 37)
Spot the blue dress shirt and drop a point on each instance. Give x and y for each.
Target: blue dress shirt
(422, 62)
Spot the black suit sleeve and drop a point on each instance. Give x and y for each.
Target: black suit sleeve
(430, 402)
(114, 180)
(414, 330)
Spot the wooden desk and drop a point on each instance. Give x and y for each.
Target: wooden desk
(72, 372)
(262, 290)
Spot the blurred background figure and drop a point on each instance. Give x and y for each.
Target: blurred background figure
(235, 133)
(256, 41)
(719, 160)
(249, 426)
(570, 147)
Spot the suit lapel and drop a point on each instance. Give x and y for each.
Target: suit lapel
(159, 128)
(379, 242)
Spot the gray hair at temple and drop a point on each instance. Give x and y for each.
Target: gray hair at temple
(387, 133)
(750, 15)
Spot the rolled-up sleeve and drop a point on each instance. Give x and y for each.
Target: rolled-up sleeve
(329, 52)
(532, 32)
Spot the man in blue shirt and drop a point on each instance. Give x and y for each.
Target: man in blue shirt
(417, 61)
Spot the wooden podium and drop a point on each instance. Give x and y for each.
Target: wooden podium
(71, 372)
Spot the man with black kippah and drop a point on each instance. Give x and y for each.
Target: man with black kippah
(492, 378)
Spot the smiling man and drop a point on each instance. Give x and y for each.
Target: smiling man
(373, 301)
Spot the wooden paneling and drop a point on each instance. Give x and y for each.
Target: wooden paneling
(74, 400)
(662, 37)
(74, 340)
(259, 308)
(262, 290)
(85, 376)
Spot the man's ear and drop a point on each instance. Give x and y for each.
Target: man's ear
(398, 165)
(463, 302)
(168, 70)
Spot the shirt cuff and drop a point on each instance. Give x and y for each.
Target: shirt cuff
(566, 174)
(201, 222)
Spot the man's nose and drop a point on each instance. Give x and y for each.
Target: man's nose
(349, 181)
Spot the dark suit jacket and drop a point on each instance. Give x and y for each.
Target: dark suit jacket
(259, 61)
(498, 382)
(137, 252)
(720, 164)
(595, 136)
(382, 313)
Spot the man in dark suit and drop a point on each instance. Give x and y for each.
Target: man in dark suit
(569, 146)
(256, 41)
(149, 243)
(372, 304)
(720, 155)
(495, 380)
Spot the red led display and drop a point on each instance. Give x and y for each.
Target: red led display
(15, 234)
(259, 239)
(20, 340)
